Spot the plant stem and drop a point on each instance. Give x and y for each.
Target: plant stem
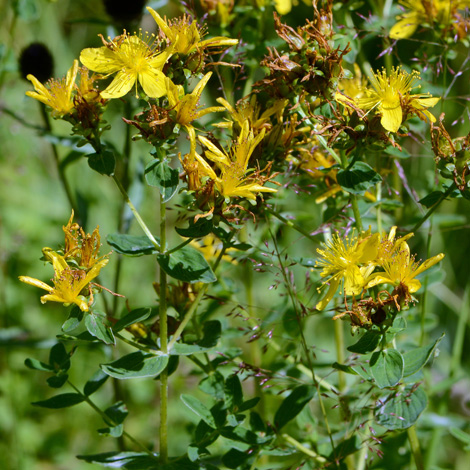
(289, 223)
(136, 214)
(55, 153)
(107, 419)
(304, 343)
(433, 208)
(304, 449)
(163, 342)
(189, 315)
(415, 449)
(353, 197)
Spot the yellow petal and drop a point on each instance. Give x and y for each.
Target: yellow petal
(413, 285)
(405, 28)
(428, 263)
(153, 83)
(100, 59)
(334, 284)
(120, 86)
(391, 118)
(36, 283)
(353, 281)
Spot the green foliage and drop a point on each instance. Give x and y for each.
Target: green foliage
(301, 151)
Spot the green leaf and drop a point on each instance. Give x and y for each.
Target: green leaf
(38, 365)
(241, 434)
(213, 385)
(199, 409)
(417, 358)
(96, 381)
(115, 431)
(198, 229)
(57, 381)
(159, 174)
(74, 319)
(97, 326)
(461, 436)
(59, 358)
(367, 343)
(136, 365)
(102, 162)
(131, 245)
(431, 199)
(293, 405)
(403, 408)
(129, 460)
(345, 448)
(246, 405)
(211, 334)
(195, 453)
(396, 152)
(117, 413)
(187, 265)
(344, 368)
(387, 367)
(358, 178)
(137, 315)
(233, 392)
(235, 458)
(60, 401)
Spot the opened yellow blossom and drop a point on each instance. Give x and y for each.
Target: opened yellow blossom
(68, 282)
(132, 60)
(184, 35)
(235, 178)
(401, 269)
(187, 106)
(251, 111)
(348, 261)
(425, 11)
(58, 93)
(390, 95)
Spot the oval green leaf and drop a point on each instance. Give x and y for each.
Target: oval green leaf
(187, 265)
(387, 367)
(131, 245)
(403, 409)
(358, 178)
(136, 365)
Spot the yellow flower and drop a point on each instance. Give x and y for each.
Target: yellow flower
(184, 35)
(424, 11)
(187, 106)
(235, 179)
(68, 282)
(390, 245)
(390, 94)
(349, 261)
(58, 93)
(132, 59)
(401, 269)
(351, 88)
(251, 110)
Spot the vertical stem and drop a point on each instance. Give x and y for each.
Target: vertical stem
(163, 342)
(60, 170)
(339, 342)
(353, 198)
(415, 449)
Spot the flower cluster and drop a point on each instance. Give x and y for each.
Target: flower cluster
(74, 268)
(390, 96)
(362, 262)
